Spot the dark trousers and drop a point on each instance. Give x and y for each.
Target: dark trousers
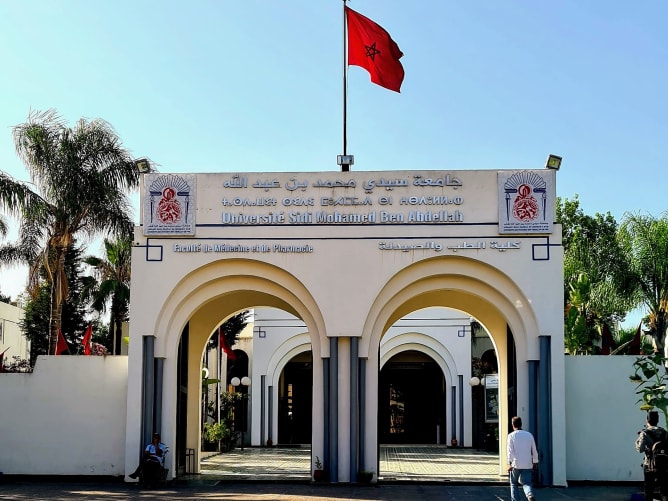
(651, 481)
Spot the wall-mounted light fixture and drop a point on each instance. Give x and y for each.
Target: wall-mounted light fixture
(143, 166)
(553, 162)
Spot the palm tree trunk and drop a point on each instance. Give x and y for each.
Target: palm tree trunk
(118, 335)
(56, 313)
(116, 326)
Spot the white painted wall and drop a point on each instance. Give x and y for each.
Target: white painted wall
(66, 418)
(602, 419)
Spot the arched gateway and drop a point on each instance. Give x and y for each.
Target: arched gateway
(349, 254)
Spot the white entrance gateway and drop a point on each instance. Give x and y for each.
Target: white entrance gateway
(348, 253)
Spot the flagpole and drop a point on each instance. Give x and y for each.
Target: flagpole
(345, 91)
(345, 160)
(345, 73)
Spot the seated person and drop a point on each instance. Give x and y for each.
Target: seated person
(154, 457)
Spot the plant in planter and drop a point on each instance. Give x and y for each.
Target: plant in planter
(652, 378)
(216, 432)
(319, 472)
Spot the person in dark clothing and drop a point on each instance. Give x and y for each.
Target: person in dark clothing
(650, 434)
(153, 459)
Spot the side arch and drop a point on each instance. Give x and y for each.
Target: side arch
(424, 344)
(286, 352)
(201, 299)
(464, 284)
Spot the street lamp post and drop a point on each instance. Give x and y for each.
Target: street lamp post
(244, 381)
(478, 415)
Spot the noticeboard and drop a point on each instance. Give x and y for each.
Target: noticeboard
(491, 405)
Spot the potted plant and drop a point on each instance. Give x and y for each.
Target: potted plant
(319, 472)
(216, 432)
(364, 477)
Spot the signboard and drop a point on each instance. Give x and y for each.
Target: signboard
(491, 405)
(491, 398)
(526, 201)
(170, 205)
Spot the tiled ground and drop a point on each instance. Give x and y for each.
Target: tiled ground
(396, 463)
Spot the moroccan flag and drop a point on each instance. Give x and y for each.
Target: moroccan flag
(224, 345)
(62, 344)
(86, 339)
(608, 342)
(372, 48)
(634, 347)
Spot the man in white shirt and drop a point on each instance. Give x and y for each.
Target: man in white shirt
(522, 459)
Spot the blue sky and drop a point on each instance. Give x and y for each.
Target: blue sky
(256, 85)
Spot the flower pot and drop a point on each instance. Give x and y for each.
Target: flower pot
(453, 442)
(319, 475)
(364, 477)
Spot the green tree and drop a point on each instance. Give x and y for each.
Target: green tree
(110, 285)
(645, 239)
(81, 176)
(231, 329)
(595, 279)
(35, 323)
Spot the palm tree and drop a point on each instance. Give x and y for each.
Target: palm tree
(645, 239)
(81, 176)
(3, 226)
(112, 285)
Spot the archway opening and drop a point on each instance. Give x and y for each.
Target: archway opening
(295, 400)
(268, 379)
(411, 400)
(430, 426)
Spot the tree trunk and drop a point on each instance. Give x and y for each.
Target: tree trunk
(116, 327)
(56, 312)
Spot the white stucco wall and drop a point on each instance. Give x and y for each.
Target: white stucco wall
(602, 419)
(66, 418)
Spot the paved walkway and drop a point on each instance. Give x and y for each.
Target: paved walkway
(397, 463)
(231, 491)
(407, 473)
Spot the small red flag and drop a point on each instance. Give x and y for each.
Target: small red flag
(372, 48)
(634, 347)
(225, 346)
(86, 339)
(2, 359)
(608, 342)
(62, 344)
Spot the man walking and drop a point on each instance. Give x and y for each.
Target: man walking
(522, 459)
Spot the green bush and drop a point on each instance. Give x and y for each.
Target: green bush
(216, 432)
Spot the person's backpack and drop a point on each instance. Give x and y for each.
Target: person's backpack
(658, 453)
